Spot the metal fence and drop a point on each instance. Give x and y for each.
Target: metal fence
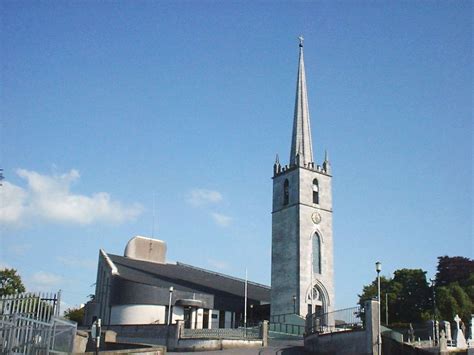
(30, 324)
(253, 333)
(291, 329)
(39, 306)
(340, 320)
(286, 318)
(22, 335)
(289, 323)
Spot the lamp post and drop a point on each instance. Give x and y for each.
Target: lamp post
(435, 333)
(311, 285)
(294, 304)
(169, 306)
(378, 268)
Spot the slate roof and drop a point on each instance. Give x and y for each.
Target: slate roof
(152, 273)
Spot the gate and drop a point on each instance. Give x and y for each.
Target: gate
(29, 324)
(335, 321)
(38, 306)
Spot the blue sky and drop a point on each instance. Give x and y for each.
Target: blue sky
(108, 106)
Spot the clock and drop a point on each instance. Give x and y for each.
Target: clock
(316, 217)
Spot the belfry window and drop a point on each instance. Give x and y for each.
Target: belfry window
(315, 191)
(316, 253)
(286, 192)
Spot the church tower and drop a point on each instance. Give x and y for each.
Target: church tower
(302, 240)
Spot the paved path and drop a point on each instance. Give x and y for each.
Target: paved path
(275, 347)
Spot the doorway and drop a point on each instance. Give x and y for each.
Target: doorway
(187, 317)
(205, 319)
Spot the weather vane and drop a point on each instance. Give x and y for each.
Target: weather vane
(301, 40)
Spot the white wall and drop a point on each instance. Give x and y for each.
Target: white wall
(200, 315)
(209, 323)
(138, 314)
(213, 322)
(178, 314)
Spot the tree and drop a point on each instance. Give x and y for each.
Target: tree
(10, 282)
(454, 300)
(75, 314)
(408, 296)
(413, 295)
(388, 291)
(454, 269)
(455, 287)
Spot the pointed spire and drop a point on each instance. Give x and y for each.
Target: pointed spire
(301, 140)
(276, 166)
(326, 163)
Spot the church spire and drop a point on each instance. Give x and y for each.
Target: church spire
(301, 145)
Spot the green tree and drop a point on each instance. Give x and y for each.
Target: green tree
(454, 269)
(75, 314)
(408, 296)
(452, 300)
(413, 295)
(10, 282)
(455, 287)
(370, 292)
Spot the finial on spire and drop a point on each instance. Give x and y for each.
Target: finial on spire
(301, 40)
(326, 163)
(276, 166)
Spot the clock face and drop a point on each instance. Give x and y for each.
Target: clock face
(316, 217)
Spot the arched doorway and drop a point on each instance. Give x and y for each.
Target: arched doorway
(315, 300)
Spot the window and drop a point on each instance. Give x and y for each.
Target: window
(317, 253)
(286, 192)
(315, 191)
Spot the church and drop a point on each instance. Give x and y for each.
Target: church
(302, 241)
(140, 287)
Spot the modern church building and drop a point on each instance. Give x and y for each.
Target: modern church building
(142, 288)
(302, 240)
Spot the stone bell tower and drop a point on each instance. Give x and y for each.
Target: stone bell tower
(302, 240)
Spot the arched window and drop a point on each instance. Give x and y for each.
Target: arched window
(286, 192)
(315, 191)
(316, 253)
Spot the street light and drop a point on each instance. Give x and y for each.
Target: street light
(294, 304)
(435, 333)
(378, 268)
(169, 306)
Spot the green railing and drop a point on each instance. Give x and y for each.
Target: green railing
(291, 329)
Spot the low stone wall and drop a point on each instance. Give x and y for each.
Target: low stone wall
(355, 342)
(350, 342)
(157, 334)
(171, 337)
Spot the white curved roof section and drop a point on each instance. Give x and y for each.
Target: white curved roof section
(146, 249)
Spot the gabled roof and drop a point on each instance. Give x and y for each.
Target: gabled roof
(188, 276)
